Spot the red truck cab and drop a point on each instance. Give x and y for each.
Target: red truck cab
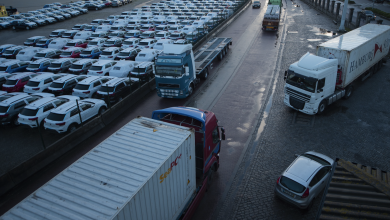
(208, 137)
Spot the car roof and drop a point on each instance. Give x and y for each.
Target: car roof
(98, 39)
(73, 48)
(47, 50)
(66, 78)
(103, 62)
(64, 108)
(13, 99)
(61, 60)
(302, 168)
(36, 37)
(143, 64)
(147, 40)
(114, 81)
(41, 102)
(129, 49)
(42, 60)
(132, 39)
(21, 75)
(149, 32)
(71, 31)
(76, 40)
(125, 63)
(111, 49)
(11, 62)
(90, 79)
(83, 61)
(16, 47)
(42, 77)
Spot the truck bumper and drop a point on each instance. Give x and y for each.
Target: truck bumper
(308, 108)
(172, 94)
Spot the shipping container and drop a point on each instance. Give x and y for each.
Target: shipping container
(357, 51)
(145, 170)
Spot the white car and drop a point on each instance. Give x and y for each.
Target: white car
(146, 55)
(97, 42)
(117, 34)
(160, 44)
(110, 53)
(67, 117)
(28, 53)
(131, 42)
(41, 82)
(147, 43)
(99, 34)
(41, 108)
(162, 35)
(101, 68)
(122, 68)
(88, 87)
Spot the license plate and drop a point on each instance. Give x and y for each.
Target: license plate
(170, 97)
(270, 27)
(288, 193)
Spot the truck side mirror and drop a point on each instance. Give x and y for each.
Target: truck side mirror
(285, 75)
(223, 133)
(187, 69)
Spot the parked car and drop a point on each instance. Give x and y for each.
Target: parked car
(177, 35)
(175, 28)
(160, 43)
(67, 117)
(65, 84)
(83, 35)
(116, 34)
(92, 52)
(128, 54)
(3, 79)
(133, 34)
(147, 43)
(47, 53)
(90, 27)
(147, 27)
(14, 66)
(114, 42)
(99, 34)
(105, 28)
(72, 52)
(11, 107)
(101, 68)
(88, 87)
(97, 21)
(39, 22)
(11, 52)
(131, 42)
(93, 6)
(117, 28)
(58, 43)
(110, 53)
(367, 14)
(49, 20)
(44, 42)
(148, 34)
(304, 179)
(133, 27)
(4, 47)
(39, 65)
(116, 89)
(28, 53)
(81, 66)
(122, 69)
(70, 34)
(31, 41)
(148, 55)
(143, 71)
(23, 24)
(61, 65)
(40, 83)
(58, 33)
(256, 4)
(76, 43)
(79, 27)
(116, 3)
(17, 82)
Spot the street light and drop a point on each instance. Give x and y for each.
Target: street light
(342, 28)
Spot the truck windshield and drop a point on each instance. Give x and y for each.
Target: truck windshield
(301, 81)
(169, 70)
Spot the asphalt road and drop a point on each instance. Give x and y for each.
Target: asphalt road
(235, 91)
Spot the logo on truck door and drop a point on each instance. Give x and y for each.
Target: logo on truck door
(173, 164)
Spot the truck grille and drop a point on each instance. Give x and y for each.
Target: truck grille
(167, 85)
(298, 104)
(298, 95)
(168, 92)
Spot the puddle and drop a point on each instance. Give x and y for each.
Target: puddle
(314, 40)
(292, 32)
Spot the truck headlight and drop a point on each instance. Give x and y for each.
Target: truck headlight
(181, 92)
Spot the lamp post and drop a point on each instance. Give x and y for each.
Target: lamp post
(342, 28)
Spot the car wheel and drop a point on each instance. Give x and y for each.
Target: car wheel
(96, 9)
(13, 27)
(27, 28)
(102, 110)
(15, 121)
(322, 107)
(120, 99)
(72, 128)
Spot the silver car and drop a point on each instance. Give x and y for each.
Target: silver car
(304, 179)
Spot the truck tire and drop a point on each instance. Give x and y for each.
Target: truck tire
(322, 107)
(204, 74)
(190, 89)
(348, 92)
(220, 56)
(210, 178)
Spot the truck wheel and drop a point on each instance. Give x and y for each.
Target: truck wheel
(321, 107)
(224, 52)
(205, 74)
(220, 55)
(348, 92)
(190, 89)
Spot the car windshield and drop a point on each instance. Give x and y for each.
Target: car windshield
(3, 109)
(143, 43)
(77, 67)
(33, 84)
(160, 28)
(55, 65)
(300, 81)
(86, 52)
(318, 159)
(40, 55)
(106, 89)
(107, 53)
(41, 42)
(33, 66)
(88, 27)
(124, 54)
(30, 41)
(71, 44)
(56, 85)
(29, 112)
(66, 53)
(138, 70)
(256, 2)
(81, 87)
(11, 82)
(369, 12)
(291, 184)
(95, 35)
(3, 68)
(9, 52)
(96, 68)
(56, 117)
(54, 33)
(169, 70)
(128, 42)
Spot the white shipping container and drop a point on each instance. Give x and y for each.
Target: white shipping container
(145, 170)
(357, 50)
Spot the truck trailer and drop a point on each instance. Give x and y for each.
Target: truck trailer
(316, 81)
(177, 70)
(271, 18)
(149, 169)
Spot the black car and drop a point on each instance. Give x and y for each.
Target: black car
(23, 24)
(91, 6)
(256, 4)
(116, 89)
(368, 14)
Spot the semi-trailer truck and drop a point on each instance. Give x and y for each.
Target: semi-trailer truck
(155, 168)
(316, 81)
(271, 18)
(178, 70)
